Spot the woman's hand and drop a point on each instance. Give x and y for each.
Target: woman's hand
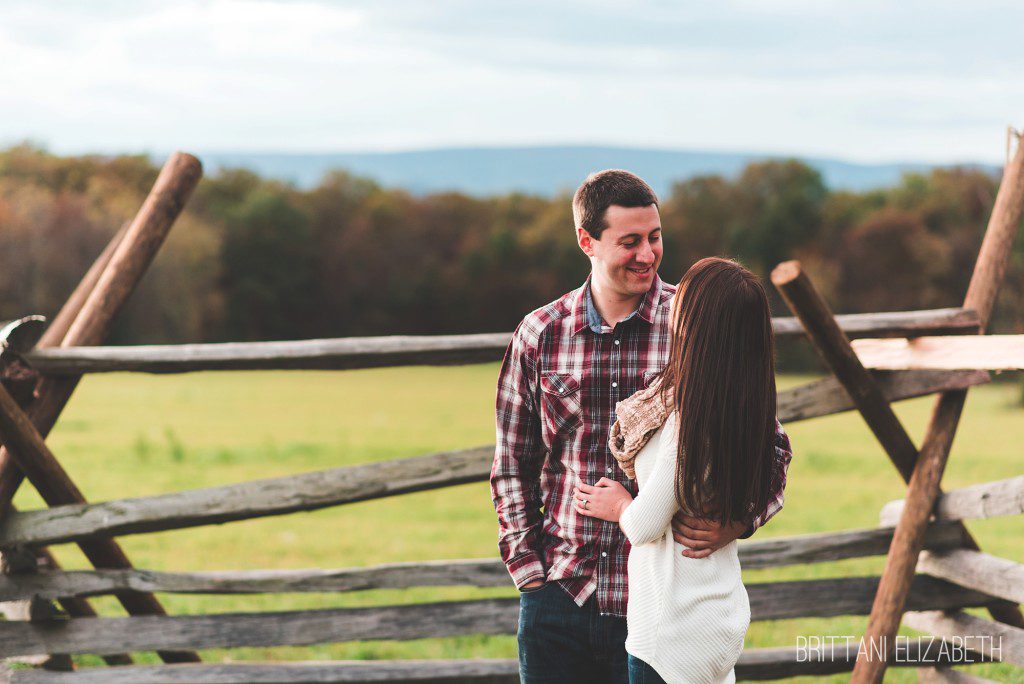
(606, 500)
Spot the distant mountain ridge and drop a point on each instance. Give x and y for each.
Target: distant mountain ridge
(542, 171)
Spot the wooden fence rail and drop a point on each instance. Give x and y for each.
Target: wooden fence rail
(474, 572)
(311, 491)
(987, 500)
(768, 601)
(374, 352)
(976, 570)
(754, 664)
(981, 352)
(259, 498)
(1009, 639)
(827, 396)
(305, 492)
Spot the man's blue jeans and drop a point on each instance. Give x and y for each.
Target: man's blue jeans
(562, 642)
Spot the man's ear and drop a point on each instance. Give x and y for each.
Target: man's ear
(585, 241)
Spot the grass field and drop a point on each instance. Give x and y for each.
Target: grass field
(131, 435)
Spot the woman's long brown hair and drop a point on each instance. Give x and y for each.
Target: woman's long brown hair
(721, 379)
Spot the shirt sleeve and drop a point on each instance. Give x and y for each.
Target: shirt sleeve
(518, 456)
(780, 473)
(648, 517)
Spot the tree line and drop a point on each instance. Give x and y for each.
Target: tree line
(253, 258)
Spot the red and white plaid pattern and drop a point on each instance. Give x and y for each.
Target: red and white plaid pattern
(557, 391)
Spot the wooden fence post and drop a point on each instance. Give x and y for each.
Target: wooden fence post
(837, 352)
(118, 279)
(834, 347)
(23, 561)
(890, 601)
(15, 339)
(127, 263)
(61, 323)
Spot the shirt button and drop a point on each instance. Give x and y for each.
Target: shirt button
(616, 342)
(609, 471)
(604, 554)
(615, 384)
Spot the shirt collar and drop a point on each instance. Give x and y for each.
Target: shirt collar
(585, 314)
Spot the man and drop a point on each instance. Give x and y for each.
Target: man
(566, 367)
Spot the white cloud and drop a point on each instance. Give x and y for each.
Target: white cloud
(929, 81)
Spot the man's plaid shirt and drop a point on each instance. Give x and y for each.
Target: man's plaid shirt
(563, 373)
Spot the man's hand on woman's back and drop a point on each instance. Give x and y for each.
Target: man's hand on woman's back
(703, 537)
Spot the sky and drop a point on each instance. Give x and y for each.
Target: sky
(866, 81)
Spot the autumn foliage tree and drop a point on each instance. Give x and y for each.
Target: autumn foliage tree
(253, 258)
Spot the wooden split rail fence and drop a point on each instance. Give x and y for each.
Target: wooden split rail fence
(85, 522)
(886, 364)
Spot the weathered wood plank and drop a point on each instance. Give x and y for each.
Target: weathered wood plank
(987, 500)
(831, 546)
(777, 663)
(945, 675)
(310, 491)
(259, 498)
(372, 352)
(318, 354)
(976, 570)
(768, 601)
(482, 572)
(295, 628)
(1003, 641)
(754, 664)
(24, 561)
(974, 352)
(851, 596)
(827, 396)
(951, 321)
(348, 671)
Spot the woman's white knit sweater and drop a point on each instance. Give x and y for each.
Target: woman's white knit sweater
(686, 617)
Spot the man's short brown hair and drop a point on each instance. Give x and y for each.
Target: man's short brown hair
(603, 189)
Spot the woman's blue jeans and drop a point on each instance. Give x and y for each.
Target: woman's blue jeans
(562, 642)
(642, 673)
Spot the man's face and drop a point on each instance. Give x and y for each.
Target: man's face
(626, 258)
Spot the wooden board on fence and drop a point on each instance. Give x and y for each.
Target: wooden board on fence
(309, 491)
(754, 664)
(831, 546)
(946, 675)
(985, 635)
(321, 354)
(826, 396)
(976, 570)
(979, 352)
(769, 601)
(987, 500)
(275, 496)
(475, 671)
(850, 596)
(404, 350)
(482, 572)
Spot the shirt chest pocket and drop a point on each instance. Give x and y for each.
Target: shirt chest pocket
(561, 407)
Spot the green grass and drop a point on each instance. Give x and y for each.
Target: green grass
(132, 435)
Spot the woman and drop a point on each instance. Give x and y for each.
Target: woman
(702, 438)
